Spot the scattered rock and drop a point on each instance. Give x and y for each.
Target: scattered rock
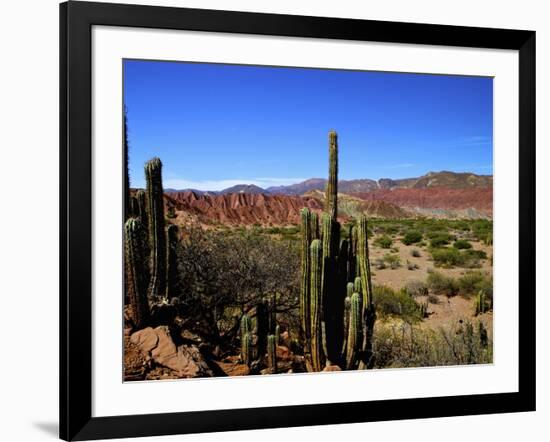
(332, 368)
(233, 368)
(135, 364)
(283, 353)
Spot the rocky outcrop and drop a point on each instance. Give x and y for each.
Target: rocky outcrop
(185, 361)
(243, 208)
(438, 201)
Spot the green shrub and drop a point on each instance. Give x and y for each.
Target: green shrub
(441, 284)
(391, 229)
(483, 230)
(383, 241)
(440, 241)
(392, 260)
(412, 237)
(462, 244)
(415, 253)
(446, 257)
(412, 266)
(416, 288)
(389, 302)
(461, 225)
(414, 346)
(379, 264)
(472, 282)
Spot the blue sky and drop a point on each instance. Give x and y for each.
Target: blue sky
(214, 126)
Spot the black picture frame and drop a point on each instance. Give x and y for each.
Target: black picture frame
(76, 21)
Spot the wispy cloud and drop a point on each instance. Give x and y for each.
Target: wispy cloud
(263, 182)
(476, 140)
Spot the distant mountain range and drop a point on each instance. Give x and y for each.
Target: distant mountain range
(434, 195)
(450, 180)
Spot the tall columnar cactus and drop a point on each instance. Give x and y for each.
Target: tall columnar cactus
(357, 284)
(347, 312)
(136, 275)
(340, 324)
(262, 328)
(332, 308)
(246, 349)
(246, 339)
(171, 261)
(352, 250)
(364, 262)
(277, 334)
(354, 331)
(369, 316)
(316, 303)
(272, 313)
(315, 226)
(305, 319)
(480, 304)
(332, 185)
(127, 207)
(157, 236)
(272, 354)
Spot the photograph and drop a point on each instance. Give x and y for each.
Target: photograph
(296, 220)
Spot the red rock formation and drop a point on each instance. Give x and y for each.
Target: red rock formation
(243, 208)
(478, 198)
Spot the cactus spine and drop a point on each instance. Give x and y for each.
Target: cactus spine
(316, 302)
(171, 261)
(136, 282)
(157, 236)
(332, 185)
(272, 354)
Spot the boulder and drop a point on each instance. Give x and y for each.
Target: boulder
(185, 361)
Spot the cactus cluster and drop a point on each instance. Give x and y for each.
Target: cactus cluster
(136, 281)
(481, 304)
(151, 261)
(336, 306)
(257, 327)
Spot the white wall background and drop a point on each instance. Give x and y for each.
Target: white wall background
(29, 216)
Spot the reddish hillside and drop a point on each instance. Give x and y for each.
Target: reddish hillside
(480, 199)
(243, 208)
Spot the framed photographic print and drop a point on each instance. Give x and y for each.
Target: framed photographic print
(272, 220)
